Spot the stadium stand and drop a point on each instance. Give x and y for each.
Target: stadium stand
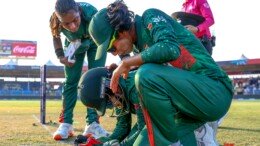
(244, 87)
(18, 90)
(247, 86)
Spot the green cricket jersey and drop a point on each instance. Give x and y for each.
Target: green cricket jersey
(176, 100)
(161, 39)
(72, 74)
(87, 12)
(123, 131)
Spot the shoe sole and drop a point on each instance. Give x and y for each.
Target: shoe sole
(59, 137)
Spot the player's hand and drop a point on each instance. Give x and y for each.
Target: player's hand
(123, 70)
(64, 60)
(192, 28)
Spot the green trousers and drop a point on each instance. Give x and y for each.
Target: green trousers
(72, 75)
(176, 102)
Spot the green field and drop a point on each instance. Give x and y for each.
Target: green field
(20, 123)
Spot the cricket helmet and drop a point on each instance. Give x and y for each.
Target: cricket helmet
(94, 90)
(91, 89)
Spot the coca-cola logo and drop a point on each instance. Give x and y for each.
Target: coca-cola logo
(24, 49)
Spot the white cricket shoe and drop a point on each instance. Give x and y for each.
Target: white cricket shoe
(95, 130)
(64, 131)
(205, 136)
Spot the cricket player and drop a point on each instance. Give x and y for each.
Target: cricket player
(72, 19)
(210, 128)
(180, 86)
(94, 92)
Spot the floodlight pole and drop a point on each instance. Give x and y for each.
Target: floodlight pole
(43, 93)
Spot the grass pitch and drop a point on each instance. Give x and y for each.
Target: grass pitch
(20, 123)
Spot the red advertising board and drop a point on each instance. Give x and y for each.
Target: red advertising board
(19, 49)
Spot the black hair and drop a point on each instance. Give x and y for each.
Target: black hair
(61, 7)
(119, 16)
(64, 6)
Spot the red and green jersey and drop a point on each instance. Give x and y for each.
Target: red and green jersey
(124, 131)
(161, 39)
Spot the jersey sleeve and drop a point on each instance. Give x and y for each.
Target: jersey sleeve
(123, 126)
(137, 128)
(165, 47)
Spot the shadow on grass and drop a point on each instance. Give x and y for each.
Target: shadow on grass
(69, 141)
(231, 128)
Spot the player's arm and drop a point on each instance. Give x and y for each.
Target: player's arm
(58, 47)
(121, 131)
(123, 126)
(163, 33)
(57, 43)
(54, 26)
(59, 51)
(137, 128)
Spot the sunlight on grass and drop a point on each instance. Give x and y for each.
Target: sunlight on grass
(20, 126)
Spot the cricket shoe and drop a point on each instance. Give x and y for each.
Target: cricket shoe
(64, 131)
(205, 136)
(95, 130)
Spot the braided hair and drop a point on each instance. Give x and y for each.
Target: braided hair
(119, 16)
(61, 7)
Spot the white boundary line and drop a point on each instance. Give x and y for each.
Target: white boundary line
(44, 126)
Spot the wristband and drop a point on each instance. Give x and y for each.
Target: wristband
(59, 52)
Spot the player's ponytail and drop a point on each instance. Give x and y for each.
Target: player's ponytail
(55, 25)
